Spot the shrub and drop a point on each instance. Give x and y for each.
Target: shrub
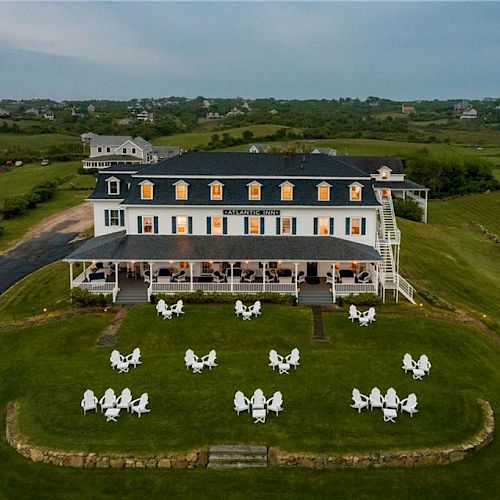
(436, 301)
(408, 209)
(200, 297)
(13, 207)
(361, 299)
(83, 298)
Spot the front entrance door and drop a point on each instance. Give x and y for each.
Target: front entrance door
(312, 273)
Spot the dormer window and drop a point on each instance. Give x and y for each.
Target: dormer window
(113, 186)
(355, 191)
(324, 191)
(146, 190)
(181, 190)
(216, 190)
(385, 173)
(254, 190)
(286, 191)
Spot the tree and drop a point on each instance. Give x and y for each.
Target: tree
(247, 135)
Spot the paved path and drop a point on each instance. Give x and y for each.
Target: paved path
(49, 241)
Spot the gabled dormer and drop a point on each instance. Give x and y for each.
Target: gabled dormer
(384, 173)
(355, 191)
(324, 191)
(130, 148)
(181, 190)
(286, 191)
(147, 191)
(113, 186)
(254, 189)
(216, 190)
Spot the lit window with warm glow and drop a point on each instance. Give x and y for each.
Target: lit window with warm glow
(147, 225)
(216, 225)
(324, 193)
(181, 191)
(254, 225)
(355, 225)
(385, 175)
(286, 192)
(355, 193)
(286, 225)
(182, 225)
(254, 191)
(323, 226)
(216, 192)
(147, 191)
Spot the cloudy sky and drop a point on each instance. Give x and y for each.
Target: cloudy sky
(405, 50)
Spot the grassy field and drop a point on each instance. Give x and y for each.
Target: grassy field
(40, 142)
(451, 257)
(47, 368)
(193, 139)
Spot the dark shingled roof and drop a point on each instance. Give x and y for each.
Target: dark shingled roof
(406, 184)
(371, 164)
(119, 246)
(247, 164)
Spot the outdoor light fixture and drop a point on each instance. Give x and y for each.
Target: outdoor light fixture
(44, 309)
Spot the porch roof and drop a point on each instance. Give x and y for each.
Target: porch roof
(122, 247)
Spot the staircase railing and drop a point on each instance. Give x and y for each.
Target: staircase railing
(405, 288)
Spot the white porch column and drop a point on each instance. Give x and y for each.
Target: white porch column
(190, 276)
(425, 207)
(71, 275)
(376, 278)
(264, 276)
(296, 267)
(333, 282)
(84, 273)
(231, 264)
(116, 273)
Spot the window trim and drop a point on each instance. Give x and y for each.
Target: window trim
(144, 217)
(221, 186)
(258, 185)
(282, 186)
(116, 182)
(186, 185)
(328, 188)
(212, 225)
(327, 219)
(356, 185)
(351, 225)
(257, 218)
(290, 218)
(147, 183)
(177, 225)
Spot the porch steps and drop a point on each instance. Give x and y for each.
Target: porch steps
(132, 297)
(320, 297)
(236, 457)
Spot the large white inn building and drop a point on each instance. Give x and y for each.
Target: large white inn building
(316, 226)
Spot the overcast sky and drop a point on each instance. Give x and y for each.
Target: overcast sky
(285, 50)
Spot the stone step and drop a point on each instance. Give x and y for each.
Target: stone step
(236, 457)
(236, 465)
(243, 448)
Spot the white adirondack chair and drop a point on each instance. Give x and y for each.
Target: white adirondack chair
(108, 400)
(241, 403)
(239, 308)
(258, 401)
(160, 306)
(360, 400)
(293, 358)
(190, 358)
(424, 364)
(116, 359)
(124, 400)
(139, 405)
(376, 399)
(391, 399)
(256, 308)
(408, 363)
(371, 314)
(353, 312)
(409, 404)
(275, 359)
(209, 359)
(177, 308)
(274, 403)
(89, 401)
(134, 358)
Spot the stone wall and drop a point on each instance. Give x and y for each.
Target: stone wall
(396, 458)
(199, 458)
(187, 460)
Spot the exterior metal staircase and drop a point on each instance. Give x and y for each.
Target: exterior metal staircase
(390, 236)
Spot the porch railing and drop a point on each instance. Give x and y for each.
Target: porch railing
(104, 288)
(223, 287)
(348, 288)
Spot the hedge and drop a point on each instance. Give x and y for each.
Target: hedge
(83, 298)
(408, 209)
(361, 299)
(17, 205)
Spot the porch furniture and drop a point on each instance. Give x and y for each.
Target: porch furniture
(249, 276)
(293, 358)
(209, 359)
(118, 361)
(190, 358)
(424, 364)
(112, 414)
(353, 312)
(329, 278)
(258, 401)
(167, 313)
(241, 403)
(346, 276)
(164, 275)
(364, 277)
(124, 400)
(108, 400)
(389, 415)
(300, 278)
(160, 306)
(408, 363)
(146, 276)
(418, 374)
(391, 399)
(259, 415)
(283, 368)
(284, 275)
(99, 277)
(255, 308)
(177, 308)
(239, 308)
(179, 277)
(367, 317)
(89, 401)
(360, 401)
(134, 358)
(218, 277)
(376, 399)
(274, 403)
(409, 404)
(236, 274)
(275, 359)
(363, 320)
(197, 367)
(139, 405)
(247, 314)
(270, 277)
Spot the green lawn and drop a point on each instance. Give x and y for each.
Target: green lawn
(193, 139)
(40, 142)
(48, 367)
(451, 258)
